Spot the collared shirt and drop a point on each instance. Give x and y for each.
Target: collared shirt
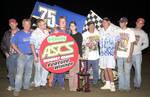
(108, 39)
(37, 38)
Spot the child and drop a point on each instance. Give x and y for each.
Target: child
(50, 79)
(60, 79)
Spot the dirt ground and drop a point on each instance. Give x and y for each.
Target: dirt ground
(95, 91)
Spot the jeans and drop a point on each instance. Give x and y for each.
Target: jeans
(124, 73)
(136, 62)
(40, 78)
(11, 62)
(95, 68)
(24, 71)
(60, 78)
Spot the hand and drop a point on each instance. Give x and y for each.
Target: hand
(135, 43)
(115, 55)
(36, 59)
(129, 59)
(7, 55)
(79, 57)
(21, 54)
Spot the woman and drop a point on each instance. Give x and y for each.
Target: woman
(73, 80)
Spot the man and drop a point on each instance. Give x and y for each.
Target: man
(63, 24)
(140, 44)
(108, 43)
(124, 54)
(37, 37)
(90, 41)
(9, 52)
(21, 44)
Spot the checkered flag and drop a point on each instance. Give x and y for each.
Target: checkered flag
(92, 16)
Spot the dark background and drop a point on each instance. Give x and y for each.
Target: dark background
(113, 9)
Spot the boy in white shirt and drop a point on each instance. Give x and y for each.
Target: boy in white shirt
(124, 54)
(90, 41)
(108, 42)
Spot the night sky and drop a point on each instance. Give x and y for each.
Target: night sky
(113, 9)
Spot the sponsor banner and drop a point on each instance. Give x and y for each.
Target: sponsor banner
(58, 52)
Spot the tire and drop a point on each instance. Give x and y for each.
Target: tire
(115, 73)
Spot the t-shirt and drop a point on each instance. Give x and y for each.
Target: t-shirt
(127, 37)
(37, 38)
(90, 45)
(141, 42)
(108, 39)
(22, 41)
(78, 38)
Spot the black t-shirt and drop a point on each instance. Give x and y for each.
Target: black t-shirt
(78, 38)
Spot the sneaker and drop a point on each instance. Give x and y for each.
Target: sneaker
(29, 89)
(32, 84)
(16, 93)
(105, 87)
(10, 88)
(112, 88)
(137, 88)
(73, 90)
(62, 88)
(43, 87)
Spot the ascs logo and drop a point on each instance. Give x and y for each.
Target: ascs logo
(58, 52)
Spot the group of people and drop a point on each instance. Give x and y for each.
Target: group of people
(116, 48)
(108, 48)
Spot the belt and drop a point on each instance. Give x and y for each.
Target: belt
(28, 54)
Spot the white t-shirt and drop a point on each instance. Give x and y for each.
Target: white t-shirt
(127, 36)
(141, 42)
(90, 42)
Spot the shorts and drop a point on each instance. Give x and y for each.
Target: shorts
(107, 62)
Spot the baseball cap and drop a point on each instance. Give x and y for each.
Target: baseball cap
(123, 19)
(12, 20)
(106, 19)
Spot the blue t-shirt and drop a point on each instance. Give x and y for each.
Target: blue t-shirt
(107, 43)
(22, 41)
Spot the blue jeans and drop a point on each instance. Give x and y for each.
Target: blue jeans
(24, 71)
(124, 73)
(95, 68)
(136, 62)
(60, 78)
(11, 62)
